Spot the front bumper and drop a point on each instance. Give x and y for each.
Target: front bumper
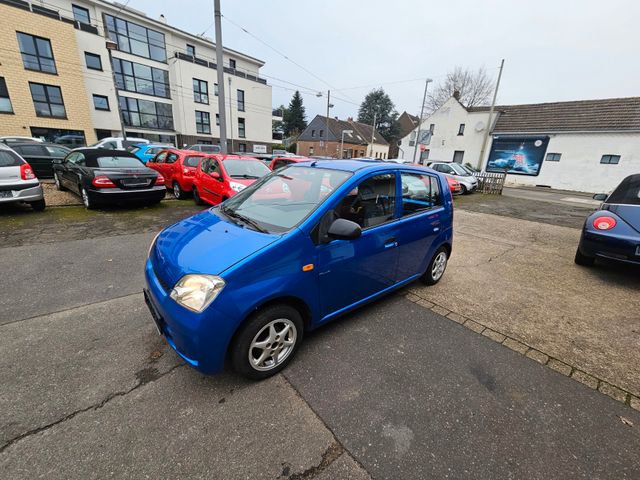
(118, 195)
(18, 193)
(201, 339)
(620, 248)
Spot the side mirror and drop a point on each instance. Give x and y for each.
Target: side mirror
(601, 197)
(215, 175)
(58, 161)
(343, 229)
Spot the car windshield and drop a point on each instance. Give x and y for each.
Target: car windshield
(282, 200)
(193, 161)
(118, 162)
(9, 159)
(459, 170)
(628, 192)
(207, 148)
(245, 168)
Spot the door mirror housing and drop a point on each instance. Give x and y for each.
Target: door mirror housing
(601, 197)
(58, 161)
(343, 229)
(215, 175)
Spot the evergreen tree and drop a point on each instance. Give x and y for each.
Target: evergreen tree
(294, 116)
(377, 103)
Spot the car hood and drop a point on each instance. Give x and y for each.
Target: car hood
(629, 213)
(204, 243)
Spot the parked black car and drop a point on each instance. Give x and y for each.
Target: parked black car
(103, 176)
(40, 156)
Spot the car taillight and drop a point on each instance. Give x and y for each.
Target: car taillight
(159, 180)
(604, 223)
(102, 181)
(26, 172)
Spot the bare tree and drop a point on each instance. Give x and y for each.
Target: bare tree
(474, 88)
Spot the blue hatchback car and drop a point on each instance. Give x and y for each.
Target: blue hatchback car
(147, 151)
(613, 231)
(243, 281)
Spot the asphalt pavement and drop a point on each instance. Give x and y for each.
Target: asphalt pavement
(393, 391)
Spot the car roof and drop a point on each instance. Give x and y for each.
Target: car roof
(222, 157)
(91, 153)
(42, 144)
(354, 165)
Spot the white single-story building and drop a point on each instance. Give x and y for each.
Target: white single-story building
(586, 145)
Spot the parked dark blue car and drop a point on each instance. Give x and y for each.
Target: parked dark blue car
(303, 245)
(613, 232)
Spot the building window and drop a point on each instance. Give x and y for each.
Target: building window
(610, 159)
(241, 128)
(321, 133)
(458, 155)
(241, 100)
(5, 101)
(191, 50)
(460, 129)
(242, 147)
(47, 99)
(100, 102)
(432, 128)
(135, 77)
(203, 122)
(412, 143)
(215, 89)
(145, 113)
(310, 150)
(232, 63)
(136, 39)
(313, 133)
(81, 14)
(200, 91)
(553, 157)
(36, 53)
(217, 119)
(93, 61)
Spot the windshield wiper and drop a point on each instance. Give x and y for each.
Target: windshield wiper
(243, 219)
(244, 175)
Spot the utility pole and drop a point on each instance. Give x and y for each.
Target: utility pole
(373, 131)
(220, 69)
(493, 105)
(230, 117)
(424, 99)
(326, 137)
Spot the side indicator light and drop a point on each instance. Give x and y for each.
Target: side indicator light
(308, 267)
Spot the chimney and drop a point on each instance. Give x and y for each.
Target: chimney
(456, 94)
(163, 19)
(349, 119)
(336, 118)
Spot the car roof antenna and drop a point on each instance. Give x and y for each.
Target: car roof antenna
(313, 164)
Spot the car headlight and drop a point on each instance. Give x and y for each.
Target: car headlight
(237, 187)
(196, 292)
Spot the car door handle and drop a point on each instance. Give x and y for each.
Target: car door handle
(390, 242)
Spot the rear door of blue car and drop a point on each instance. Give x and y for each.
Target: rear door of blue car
(424, 218)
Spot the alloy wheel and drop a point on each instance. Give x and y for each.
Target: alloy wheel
(176, 190)
(272, 344)
(439, 264)
(56, 180)
(85, 198)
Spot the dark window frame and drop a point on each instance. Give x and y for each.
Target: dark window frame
(133, 114)
(200, 96)
(217, 119)
(610, 159)
(191, 50)
(433, 181)
(119, 30)
(92, 55)
(232, 63)
(82, 10)
(240, 93)
(48, 101)
(203, 122)
(94, 96)
(432, 128)
(461, 157)
(461, 129)
(38, 56)
(553, 157)
(242, 132)
(4, 93)
(124, 79)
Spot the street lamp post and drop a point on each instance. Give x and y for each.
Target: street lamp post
(111, 45)
(342, 142)
(424, 99)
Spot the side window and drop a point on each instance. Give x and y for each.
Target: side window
(71, 158)
(214, 167)
(110, 145)
(160, 157)
(371, 203)
(419, 192)
(80, 160)
(171, 158)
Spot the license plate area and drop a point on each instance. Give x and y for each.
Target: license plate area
(157, 319)
(135, 182)
(6, 194)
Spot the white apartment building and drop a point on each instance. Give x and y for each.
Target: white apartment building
(166, 80)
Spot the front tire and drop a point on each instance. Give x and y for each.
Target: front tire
(583, 260)
(267, 342)
(463, 190)
(436, 268)
(38, 205)
(196, 197)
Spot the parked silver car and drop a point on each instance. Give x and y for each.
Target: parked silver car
(468, 182)
(18, 182)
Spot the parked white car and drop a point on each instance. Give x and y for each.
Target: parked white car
(117, 143)
(18, 182)
(10, 140)
(468, 182)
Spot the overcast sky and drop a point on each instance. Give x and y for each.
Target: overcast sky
(554, 50)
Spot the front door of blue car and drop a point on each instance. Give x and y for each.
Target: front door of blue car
(352, 270)
(423, 219)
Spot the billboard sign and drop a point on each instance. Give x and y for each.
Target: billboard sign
(517, 155)
(259, 148)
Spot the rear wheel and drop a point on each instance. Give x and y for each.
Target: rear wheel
(267, 342)
(58, 183)
(38, 205)
(436, 268)
(583, 260)
(196, 197)
(88, 203)
(178, 192)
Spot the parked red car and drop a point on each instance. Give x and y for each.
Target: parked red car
(454, 185)
(219, 177)
(178, 167)
(279, 162)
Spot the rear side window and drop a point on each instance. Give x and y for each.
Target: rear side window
(160, 157)
(192, 161)
(419, 192)
(31, 150)
(9, 159)
(280, 163)
(628, 192)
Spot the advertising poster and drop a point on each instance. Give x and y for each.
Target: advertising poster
(517, 155)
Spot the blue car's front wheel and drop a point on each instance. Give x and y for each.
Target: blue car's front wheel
(267, 342)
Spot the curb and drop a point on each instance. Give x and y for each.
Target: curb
(613, 391)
